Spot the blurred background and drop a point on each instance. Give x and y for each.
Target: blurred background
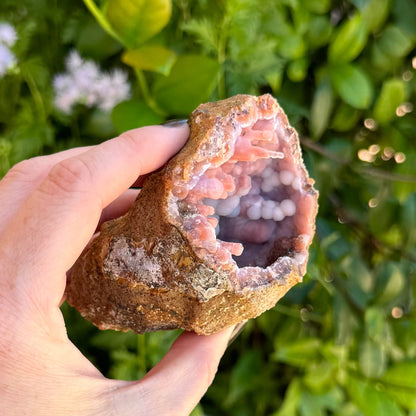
(344, 341)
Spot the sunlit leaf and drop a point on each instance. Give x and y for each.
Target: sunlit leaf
(291, 400)
(189, 83)
(150, 58)
(138, 20)
(373, 358)
(322, 104)
(375, 13)
(370, 400)
(349, 40)
(132, 114)
(352, 84)
(298, 353)
(393, 93)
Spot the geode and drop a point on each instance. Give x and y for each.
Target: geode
(216, 237)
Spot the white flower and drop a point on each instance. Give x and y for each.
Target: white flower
(84, 83)
(8, 35)
(7, 59)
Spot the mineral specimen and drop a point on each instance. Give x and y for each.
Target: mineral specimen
(216, 237)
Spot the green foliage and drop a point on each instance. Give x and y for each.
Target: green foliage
(343, 342)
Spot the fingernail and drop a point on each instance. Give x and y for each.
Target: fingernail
(176, 122)
(236, 332)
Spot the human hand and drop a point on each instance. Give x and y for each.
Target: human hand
(51, 207)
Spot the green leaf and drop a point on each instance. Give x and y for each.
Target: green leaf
(352, 84)
(401, 374)
(390, 282)
(317, 6)
(384, 215)
(319, 31)
(395, 42)
(132, 114)
(297, 69)
(298, 353)
(345, 117)
(150, 58)
(375, 14)
(372, 359)
(138, 20)
(349, 40)
(370, 400)
(243, 374)
(393, 93)
(403, 396)
(408, 220)
(189, 83)
(322, 104)
(291, 401)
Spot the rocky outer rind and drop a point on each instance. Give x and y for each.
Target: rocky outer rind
(142, 273)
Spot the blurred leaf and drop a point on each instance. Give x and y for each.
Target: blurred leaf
(349, 41)
(403, 396)
(384, 215)
(393, 93)
(243, 374)
(408, 220)
(322, 104)
(291, 401)
(319, 31)
(372, 359)
(317, 404)
(93, 42)
(150, 58)
(5, 148)
(110, 339)
(345, 117)
(138, 20)
(133, 114)
(394, 42)
(298, 353)
(390, 282)
(345, 323)
(189, 83)
(317, 6)
(297, 69)
(352, 84)
(292, 46)
(124, 366)
(319, 376)
(404, 13)
(370, 400)
(375, 13)
(401, 374)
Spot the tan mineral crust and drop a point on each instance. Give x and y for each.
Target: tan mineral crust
(216, 237)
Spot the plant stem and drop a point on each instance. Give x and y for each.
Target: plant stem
(36, 95)
(146, 93)
(96, 12)
(141, 353)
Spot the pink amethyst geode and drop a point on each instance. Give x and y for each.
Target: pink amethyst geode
(216, 237)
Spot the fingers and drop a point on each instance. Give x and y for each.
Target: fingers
(24, 177)
(119, 207)
(61, 214)
(175, 385)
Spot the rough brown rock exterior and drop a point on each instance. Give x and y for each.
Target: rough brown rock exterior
(142, 272)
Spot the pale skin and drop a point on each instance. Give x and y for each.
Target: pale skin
(51, 206)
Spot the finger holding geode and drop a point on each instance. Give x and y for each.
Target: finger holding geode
(216, 237)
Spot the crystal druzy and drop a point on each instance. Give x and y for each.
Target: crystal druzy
(217, 236)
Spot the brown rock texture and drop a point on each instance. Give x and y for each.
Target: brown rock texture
(216, 237)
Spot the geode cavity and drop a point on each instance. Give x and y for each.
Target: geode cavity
(216, 237)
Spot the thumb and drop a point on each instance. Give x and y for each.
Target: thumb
(178, 382)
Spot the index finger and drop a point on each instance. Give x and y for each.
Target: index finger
(60, 216)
